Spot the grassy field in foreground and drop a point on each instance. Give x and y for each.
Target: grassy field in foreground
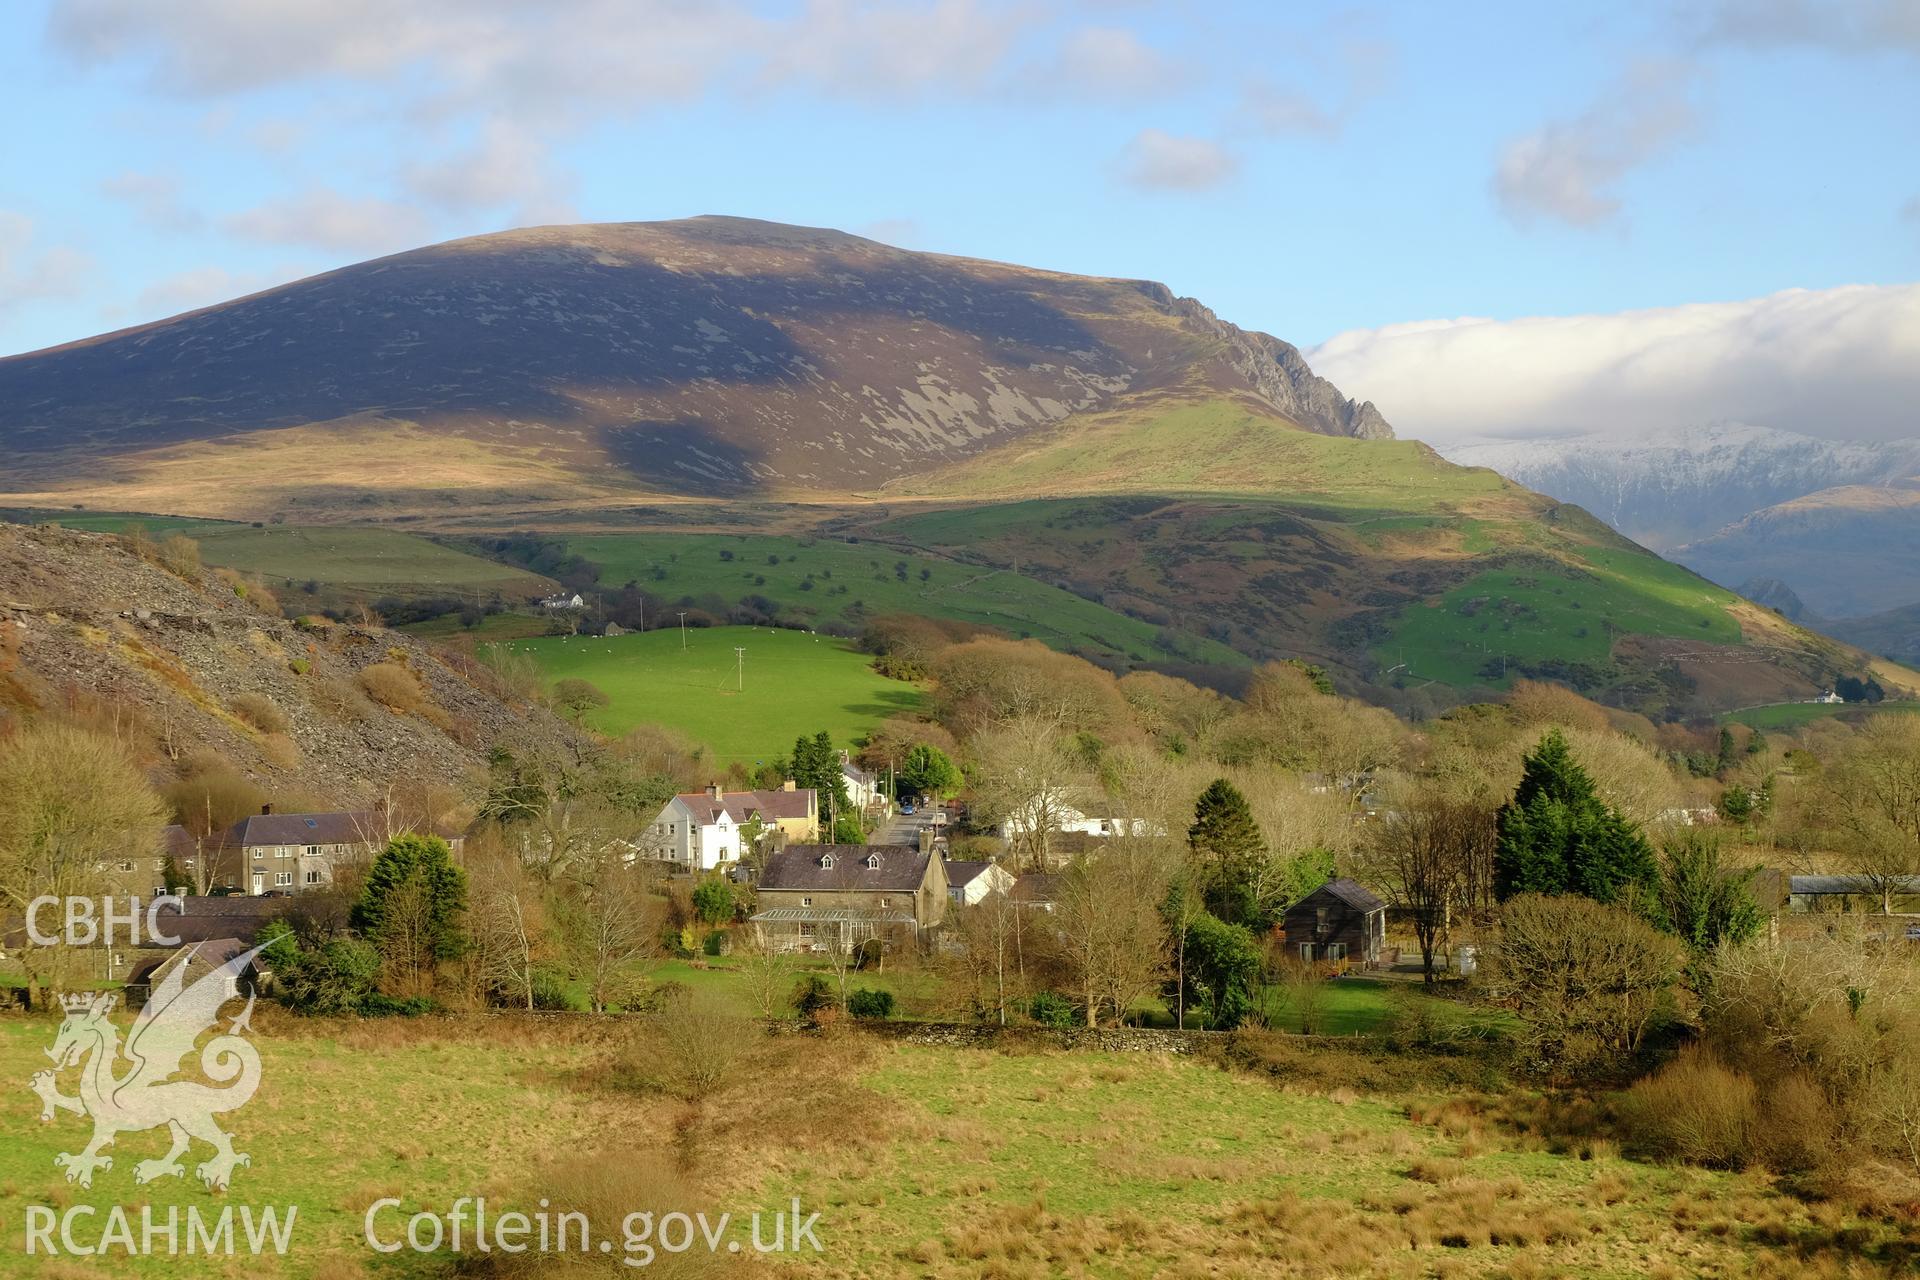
(935, 1162)
(827, 580)
(793, 683)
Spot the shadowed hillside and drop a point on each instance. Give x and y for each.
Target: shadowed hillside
(709, 357)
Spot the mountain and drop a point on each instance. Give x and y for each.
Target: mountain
(706, 357)
(1777, 596)
(603, 391)
(1847, 550)
(1674, 488)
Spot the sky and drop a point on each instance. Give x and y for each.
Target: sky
(1395, 187)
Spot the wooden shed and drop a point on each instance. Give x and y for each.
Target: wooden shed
(1341, 921)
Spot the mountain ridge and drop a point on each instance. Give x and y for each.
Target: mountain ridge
(712, 356)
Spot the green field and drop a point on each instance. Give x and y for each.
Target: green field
(364, 562)
(793, 683)
(825, 580)
(1543, 612)
(1209, 447)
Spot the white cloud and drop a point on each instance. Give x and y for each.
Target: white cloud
(1566, 170)
(156, 198)
(321, 218)
(1367, 66)
(536, 60)
(1843, 26)
(204, 286)
(31, 274)
(1106, 62)
(1160, 161)
(506, 168)
(1840, 364)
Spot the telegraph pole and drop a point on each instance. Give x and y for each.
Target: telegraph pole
(683, 633)
(739, 668)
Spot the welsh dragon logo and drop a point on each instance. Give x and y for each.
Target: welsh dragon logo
(146, 1094)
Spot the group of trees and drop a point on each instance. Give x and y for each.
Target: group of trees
(389, 951)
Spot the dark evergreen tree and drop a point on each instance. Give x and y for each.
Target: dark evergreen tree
(1222, 961)
(1706, 902)
(410, 909)
(1228, 848)
(1558, 836)
(816, 765)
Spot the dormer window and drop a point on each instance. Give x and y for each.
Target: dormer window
(826, 862)
(873, 862)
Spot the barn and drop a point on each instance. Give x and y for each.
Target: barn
(1341, 921)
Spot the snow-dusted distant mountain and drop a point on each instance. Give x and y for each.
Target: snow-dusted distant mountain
(1676, 487)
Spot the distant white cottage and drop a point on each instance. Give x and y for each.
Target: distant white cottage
(564, 601)
(1829, 697)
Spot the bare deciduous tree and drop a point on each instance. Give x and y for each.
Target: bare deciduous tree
(74, 806)
(1873, 800)
(509, 926)
(612, 923)
(768, 971)
(1423, 856)
(1112, 939)
(1027, 779)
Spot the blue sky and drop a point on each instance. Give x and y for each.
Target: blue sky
(1303, 169)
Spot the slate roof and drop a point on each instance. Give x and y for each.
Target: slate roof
(832, 915)
(1822, 885)
(901, 870)
(305, 828)
(961, 873)
(741, 805)
(198, 958)
(1351, 892)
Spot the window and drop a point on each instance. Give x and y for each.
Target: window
(1306, 952)
(806, 902)
(283, 878)
(313, 851)
(1319, 919)
(806, 931)
(883, 902)
(1336, 951)
(873, 862)
(259, 855)
(313, 875)
(126, 866)
(826, 862)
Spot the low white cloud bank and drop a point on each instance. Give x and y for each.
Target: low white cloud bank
(1841, 364)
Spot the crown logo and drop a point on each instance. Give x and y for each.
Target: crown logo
(76, 1002)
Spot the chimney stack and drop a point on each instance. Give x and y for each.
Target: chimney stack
(714, 790)
(788, 785)
(266, 810)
